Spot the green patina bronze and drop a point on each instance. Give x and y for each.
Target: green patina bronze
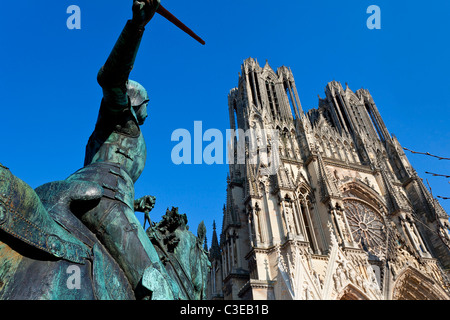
(182, 253)
(87, 224)
(41, 239)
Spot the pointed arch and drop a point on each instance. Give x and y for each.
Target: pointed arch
(348, 151)
(328, 151)
(256, 117)
(303, 190)
(350, 292)
(281, 146)
(354, 152)
(357, 189)
(294, 143)
(286, 142)
(412, 284)
(319, 144)
(340, 150)
(268, 73)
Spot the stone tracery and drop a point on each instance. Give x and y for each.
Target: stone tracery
(367, 227)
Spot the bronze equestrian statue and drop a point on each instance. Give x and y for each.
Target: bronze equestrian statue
(87, 223)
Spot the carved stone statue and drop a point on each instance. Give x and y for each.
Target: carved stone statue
(87, 223)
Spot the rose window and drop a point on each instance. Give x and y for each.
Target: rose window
(367, 227)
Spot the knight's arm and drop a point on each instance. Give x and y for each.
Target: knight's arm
(113, 75)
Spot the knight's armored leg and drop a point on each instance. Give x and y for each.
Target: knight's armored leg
(122, 233)
(126, 240)
(114, 222)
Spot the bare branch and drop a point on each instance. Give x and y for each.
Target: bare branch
(427, 154)
(443, 198)
(437, 174)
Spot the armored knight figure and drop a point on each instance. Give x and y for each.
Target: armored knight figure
(86, 224)
(115, 158)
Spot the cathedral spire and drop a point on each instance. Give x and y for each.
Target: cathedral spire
(214, 252)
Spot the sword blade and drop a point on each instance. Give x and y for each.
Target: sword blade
(166, 14)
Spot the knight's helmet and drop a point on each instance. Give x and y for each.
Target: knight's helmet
(138, 99)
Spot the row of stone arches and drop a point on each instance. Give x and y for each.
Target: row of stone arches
(337, 149)
(411, 284)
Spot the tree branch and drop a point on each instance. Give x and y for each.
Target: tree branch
(437, 174)
(433, 174)
(427, 154)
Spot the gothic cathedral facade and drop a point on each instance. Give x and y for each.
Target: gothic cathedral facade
(344, 215)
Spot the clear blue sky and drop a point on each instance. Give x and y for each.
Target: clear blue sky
(50, 98)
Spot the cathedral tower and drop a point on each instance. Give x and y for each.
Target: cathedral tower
(344, 215)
